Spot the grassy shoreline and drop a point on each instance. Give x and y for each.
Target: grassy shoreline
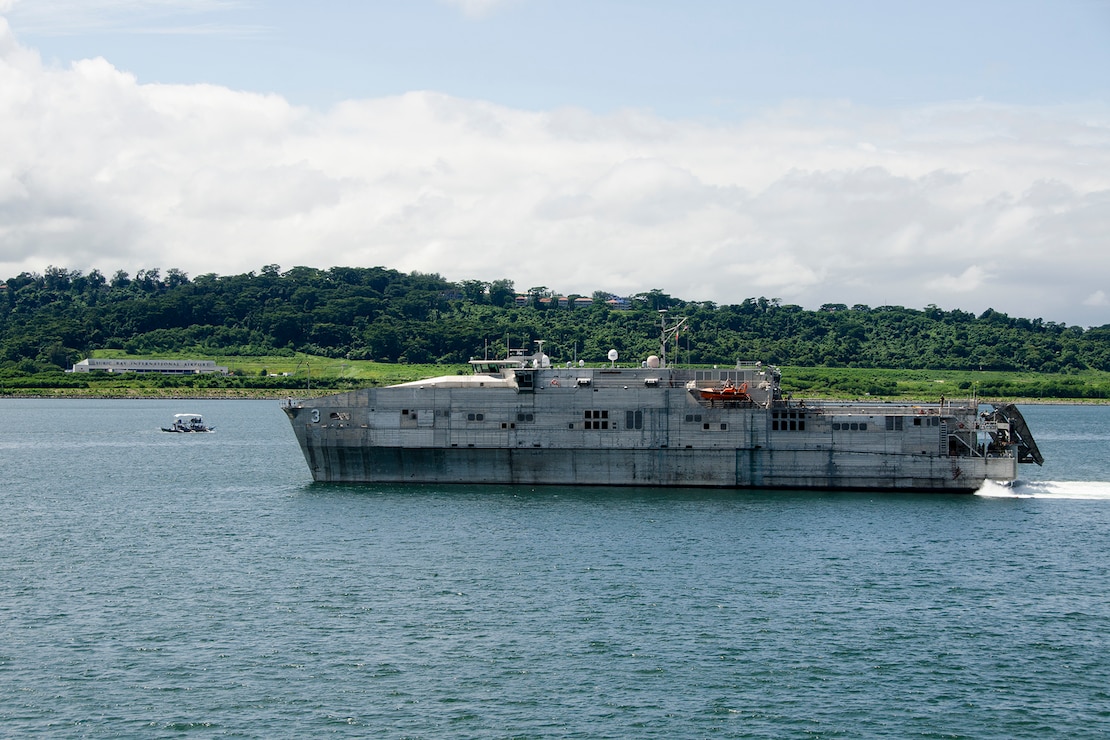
(303, 376)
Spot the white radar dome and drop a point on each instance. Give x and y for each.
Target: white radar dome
(653, 361)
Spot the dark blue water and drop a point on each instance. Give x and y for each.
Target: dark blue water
(158, 585)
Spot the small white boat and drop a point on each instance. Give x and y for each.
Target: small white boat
(188, 423)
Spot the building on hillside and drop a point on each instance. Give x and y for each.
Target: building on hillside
(615, 302)
(166, 367)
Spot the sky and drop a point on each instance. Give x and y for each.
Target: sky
(954, 154)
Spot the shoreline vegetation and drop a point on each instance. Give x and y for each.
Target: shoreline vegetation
(301, 376)
(309, 332)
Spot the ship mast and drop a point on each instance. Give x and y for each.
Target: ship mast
(666, 333)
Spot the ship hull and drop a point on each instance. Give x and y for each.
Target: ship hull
(334, 461)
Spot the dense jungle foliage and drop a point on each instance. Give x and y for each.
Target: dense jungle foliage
(52, 320)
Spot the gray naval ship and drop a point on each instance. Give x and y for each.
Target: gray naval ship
(525, 421)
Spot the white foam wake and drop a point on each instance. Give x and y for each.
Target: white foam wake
(1090, 490)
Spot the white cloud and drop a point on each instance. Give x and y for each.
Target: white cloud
(968, 281)
(964, 205)
(1098, 299)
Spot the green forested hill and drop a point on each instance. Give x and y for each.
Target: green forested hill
(54, 319)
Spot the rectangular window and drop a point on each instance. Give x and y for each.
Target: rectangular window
(791, 421)
(596, 419)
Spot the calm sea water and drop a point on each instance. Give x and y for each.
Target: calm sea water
(158, 585)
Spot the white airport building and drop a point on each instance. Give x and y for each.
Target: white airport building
(166, 367)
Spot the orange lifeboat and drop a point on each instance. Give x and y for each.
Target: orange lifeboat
(728, 392)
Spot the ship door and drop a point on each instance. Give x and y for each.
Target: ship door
(525, 381)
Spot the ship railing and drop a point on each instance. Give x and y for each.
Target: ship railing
(594, 378)
(734, 375)
(981, 448)
(886, 409)
(658, 379)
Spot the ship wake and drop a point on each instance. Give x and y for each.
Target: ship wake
(1088, 490)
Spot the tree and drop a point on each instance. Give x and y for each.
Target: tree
(656, 299)
(502, 293)
(175, 278)
(120, 279)
(475, 291)
(149, 280)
